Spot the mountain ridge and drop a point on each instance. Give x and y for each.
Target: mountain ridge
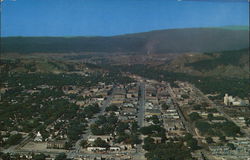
(159, 41)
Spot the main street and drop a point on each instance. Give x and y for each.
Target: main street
(76, 155)
(141, 108)
(185, 122)
(139, 154)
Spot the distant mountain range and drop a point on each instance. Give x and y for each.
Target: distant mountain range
(160, 42)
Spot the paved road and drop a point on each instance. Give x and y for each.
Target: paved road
(139, 154)
(141, 110)
(76, 155)
(183, 119)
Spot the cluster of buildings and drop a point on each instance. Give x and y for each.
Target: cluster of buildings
(88, 96)
(185, 95)
(240, 149)
(126, 99)
(159, 103)
(235, 101)
(172, 123)
(108, 139)
(57, 132)
(158, 100)
(5, 136)
(188, 97)
(152, 105)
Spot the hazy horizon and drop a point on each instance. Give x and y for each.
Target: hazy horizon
(72, 36)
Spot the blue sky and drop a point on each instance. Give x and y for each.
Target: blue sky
(114, 17)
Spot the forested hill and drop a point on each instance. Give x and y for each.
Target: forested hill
(162, 41)
(219, 64)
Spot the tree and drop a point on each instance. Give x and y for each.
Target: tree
(112, 108)
(148, 144)
(14, 139)
(230, 129)
(84, 143)
(203, 126)
(222, 138)
(122, 137)
(231, 146)
(101, 120)
(197, 107)
(152, 129)
(165, 106)
(121, 127)
(169, 151)
(100, 143)
(96, 130)
(112, 119)
(74, 130)
(205, 104)
(68, 145)
(248, 121)
(188, 136)
(194, 116)
(155, 119)
(209, 140)
(39, 156)
(191, 142)
(185, 96)
(210, 116)
(5, 156)
(61, 156)
(134, 127)
(91, 110)
(135, 139)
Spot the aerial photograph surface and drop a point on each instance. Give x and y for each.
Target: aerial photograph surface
(124, 80)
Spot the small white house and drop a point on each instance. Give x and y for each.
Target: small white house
(38, 137)
(115, 148)
(96, 149)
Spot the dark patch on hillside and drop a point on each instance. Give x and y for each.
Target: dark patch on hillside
(223, 58)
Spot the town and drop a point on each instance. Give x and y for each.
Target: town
(132, 120)
(124, 80)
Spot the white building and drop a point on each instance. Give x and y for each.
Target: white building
(230, 100)
(38, 137)
(92, 138)
(96, 149)
(114, 148)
